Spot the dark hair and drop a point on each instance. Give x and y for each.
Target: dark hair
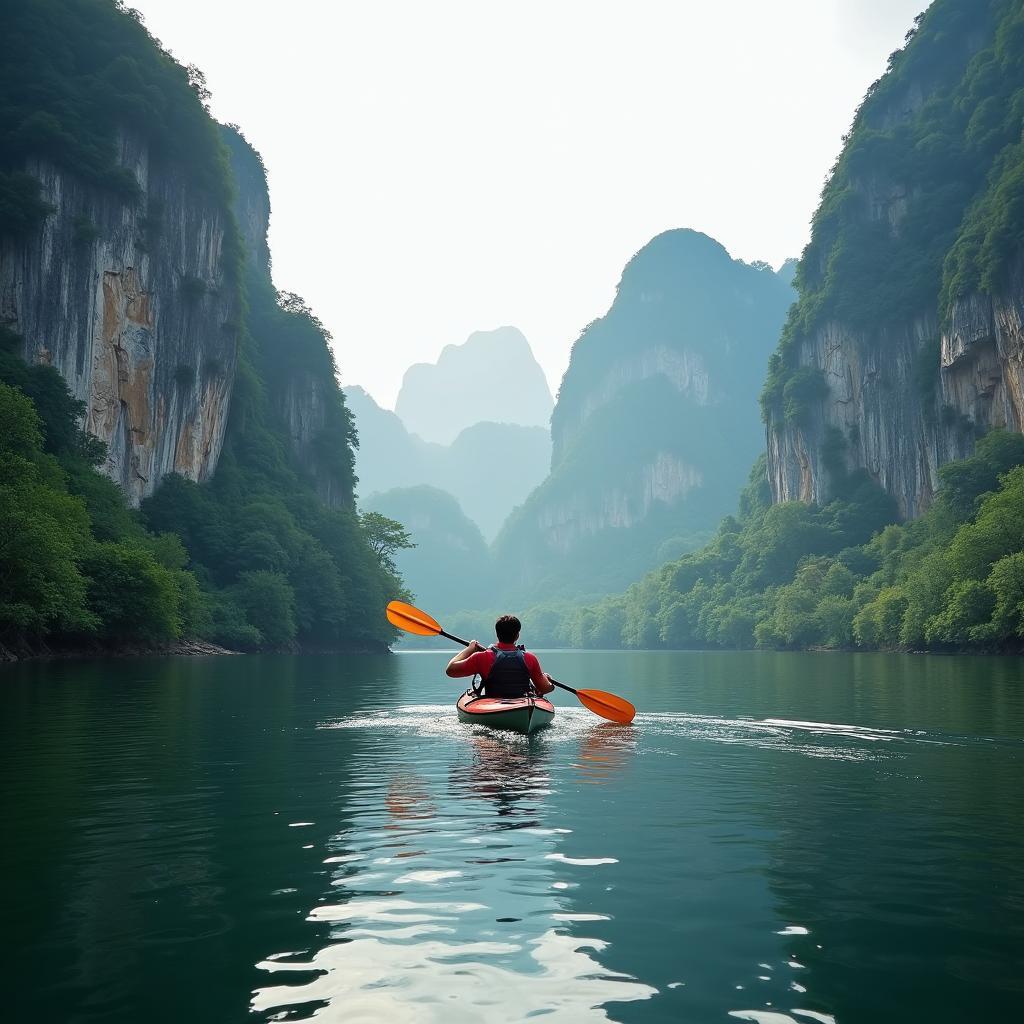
(507, 629)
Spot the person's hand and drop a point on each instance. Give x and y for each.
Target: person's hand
(474, 646)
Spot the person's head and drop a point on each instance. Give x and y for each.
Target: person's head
(507, 629)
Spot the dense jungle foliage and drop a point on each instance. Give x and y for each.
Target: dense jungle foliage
(253, 560)
(840, 576)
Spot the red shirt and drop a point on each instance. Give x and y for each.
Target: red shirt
(481, 662)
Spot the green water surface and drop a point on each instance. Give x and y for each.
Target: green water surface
(779, 838)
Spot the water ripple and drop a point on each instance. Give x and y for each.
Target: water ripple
(478, 927)
(811, 739)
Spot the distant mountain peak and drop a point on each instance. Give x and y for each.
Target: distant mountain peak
(508, 342)
(492, 376)
(655, 425)
(390, 457)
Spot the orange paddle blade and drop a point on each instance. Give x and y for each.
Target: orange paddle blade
(607, 705)
(412, 620)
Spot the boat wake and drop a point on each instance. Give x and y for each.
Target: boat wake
(830, 740)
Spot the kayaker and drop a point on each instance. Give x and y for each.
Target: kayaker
(506, 669)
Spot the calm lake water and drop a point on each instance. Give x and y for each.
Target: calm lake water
(778, 838)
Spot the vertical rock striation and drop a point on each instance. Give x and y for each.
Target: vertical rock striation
(906, 343)
(132, 303)
(310, 405)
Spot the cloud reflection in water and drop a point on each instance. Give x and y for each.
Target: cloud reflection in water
(480, 928)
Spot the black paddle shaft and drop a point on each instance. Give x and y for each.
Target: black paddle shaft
(465, 643)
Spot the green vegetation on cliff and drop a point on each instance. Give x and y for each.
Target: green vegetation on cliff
(253, 560)
(842, 575)
(281, 566)
(271, 551)
(925, 204)
(76, 74)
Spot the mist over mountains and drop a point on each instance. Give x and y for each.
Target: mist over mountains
(492, 377)
(450, 565)
(654, 431)
(488, 467)
(656, 423)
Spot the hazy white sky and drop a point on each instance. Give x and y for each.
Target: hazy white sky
(443, 166)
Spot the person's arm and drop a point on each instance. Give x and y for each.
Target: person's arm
(462, 664)
(541, 680)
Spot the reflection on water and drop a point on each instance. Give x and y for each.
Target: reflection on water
(482, 928)
(780, 839)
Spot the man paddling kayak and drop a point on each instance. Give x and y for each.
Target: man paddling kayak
(507, 670)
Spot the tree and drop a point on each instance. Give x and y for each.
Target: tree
(269, 604)
(19, 423)
(962, 483)
(385, 537)
(22, 208)
(42, 531)
(878, 623)
(968, 606)
(998, 530)
(41, 535)
(132, 596)
(787, 533)
(1007, 583)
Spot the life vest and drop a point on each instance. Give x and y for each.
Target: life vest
(509, 676)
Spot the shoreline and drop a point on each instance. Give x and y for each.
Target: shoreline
(178, 649)
(46, 652)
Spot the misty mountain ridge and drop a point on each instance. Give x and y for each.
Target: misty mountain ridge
(489, 468)
(655, 426)
(492, 377)
(448, 567)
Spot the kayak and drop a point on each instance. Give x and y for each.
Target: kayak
(521, 714)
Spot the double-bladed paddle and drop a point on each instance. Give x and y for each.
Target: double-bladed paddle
(607, 705)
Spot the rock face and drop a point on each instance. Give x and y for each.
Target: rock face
(495, 377)
(132, 304)
(914, 326)
(308, 404)
(874, 403)
(655, 426)
(300, 377)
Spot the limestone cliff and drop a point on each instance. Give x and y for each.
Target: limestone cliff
(291, 347)
(134, 259)
(908, 339)
(312, 407)
(655, 428)
(132, 302)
